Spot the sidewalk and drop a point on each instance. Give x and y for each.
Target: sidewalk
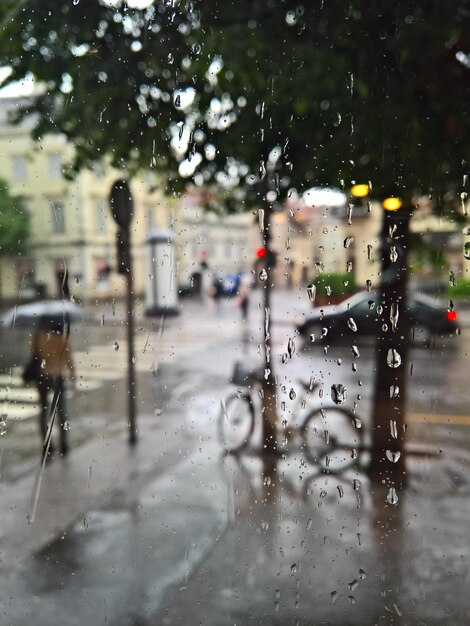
(152, 535)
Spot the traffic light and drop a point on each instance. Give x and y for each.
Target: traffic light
(270, 257)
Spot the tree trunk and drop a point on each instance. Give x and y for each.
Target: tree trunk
(389, 404)
(269, 410)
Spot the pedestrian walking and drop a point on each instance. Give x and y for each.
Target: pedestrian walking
(51, 348)
(244, 295)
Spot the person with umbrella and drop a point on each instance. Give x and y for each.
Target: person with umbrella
(51, 347)
(52, 357)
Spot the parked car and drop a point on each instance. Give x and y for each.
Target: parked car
(427, 319)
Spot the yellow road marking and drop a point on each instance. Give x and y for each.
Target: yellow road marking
(434, 418)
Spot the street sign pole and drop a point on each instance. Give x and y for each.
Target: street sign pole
(122, 207)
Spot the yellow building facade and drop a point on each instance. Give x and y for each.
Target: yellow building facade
(71, 224)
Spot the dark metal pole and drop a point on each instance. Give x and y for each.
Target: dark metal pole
(122, 208)
(131, 348)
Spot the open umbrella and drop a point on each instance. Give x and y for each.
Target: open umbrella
(43, 314)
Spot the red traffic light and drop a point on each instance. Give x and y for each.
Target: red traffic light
(451, 315)
(261, 253)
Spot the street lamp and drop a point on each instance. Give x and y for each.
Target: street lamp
(360, 191)
(392, 204)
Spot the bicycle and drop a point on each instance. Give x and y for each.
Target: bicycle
(330, 436)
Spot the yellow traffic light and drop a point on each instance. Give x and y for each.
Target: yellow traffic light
(360, 191)
(392, 204)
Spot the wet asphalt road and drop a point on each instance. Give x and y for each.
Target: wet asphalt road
(113, 565)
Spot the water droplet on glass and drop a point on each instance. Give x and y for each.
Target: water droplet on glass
(356, 484)
(353, 584)
(393, 358)
(43, 363)
(369, 252)
(263, 275)
(348, 241)
(362, 574)
(339, 393)
(333, 596)
(357, 422)
(311, 292)
(328, 290)
(393, 429)
(394, 391)
(380, 309)
(354, 367)
(267, 481)
(262, 170)
(292, 394)
(393, 457)
(352, 325)
(265, 525)
(337, 120)
(133, 359)
(339, 361)
(392, 497)
(368, 285)
(293, 568)
(177, 102)
(290, 346)
(355, 351)
(371, 304)
(261, 219)
(66, 425)
(350, 213)
(3, 427)
(393, 254)
(116, 346)
(394, 315)
(349, 266)
(340, 490)
(102, 321)
(352, 599)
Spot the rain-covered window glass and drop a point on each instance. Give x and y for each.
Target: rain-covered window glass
(234, 312)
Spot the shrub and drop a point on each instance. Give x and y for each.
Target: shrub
(340, 284)
(461, 289)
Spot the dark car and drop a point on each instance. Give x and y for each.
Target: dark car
(358, 316)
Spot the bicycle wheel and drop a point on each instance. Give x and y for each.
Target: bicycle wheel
(331, 438)
(236, 422)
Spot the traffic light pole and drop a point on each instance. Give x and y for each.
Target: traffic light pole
(122, 208)
(269, 380)
(389, 403)
(131, 352)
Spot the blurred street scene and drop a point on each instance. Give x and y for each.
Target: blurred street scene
(113, 539)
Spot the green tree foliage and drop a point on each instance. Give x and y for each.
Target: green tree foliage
(14, 224)
(347, 91)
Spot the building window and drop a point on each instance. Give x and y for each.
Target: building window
(54, 163)
(19, 168)
(57, 216)
(101, 215)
